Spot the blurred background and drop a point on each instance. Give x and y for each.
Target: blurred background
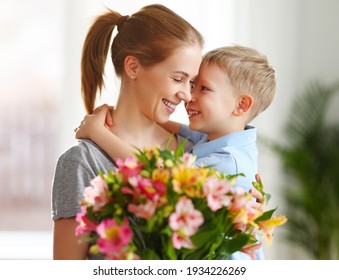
(40, 105)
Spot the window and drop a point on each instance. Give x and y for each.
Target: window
(30, 74)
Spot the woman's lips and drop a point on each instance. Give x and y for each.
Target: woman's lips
(171, 106)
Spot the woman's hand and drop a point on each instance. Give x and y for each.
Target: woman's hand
(66, 245)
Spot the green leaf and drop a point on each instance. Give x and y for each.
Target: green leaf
(169, 250)
(265, 216)
(229, 246)
(181, 149)
(149, 254)
(203, 237)
(195, 254)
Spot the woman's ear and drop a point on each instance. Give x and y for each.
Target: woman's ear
(131, 66)
(244, 104)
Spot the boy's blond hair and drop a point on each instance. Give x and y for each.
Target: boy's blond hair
(249, 73)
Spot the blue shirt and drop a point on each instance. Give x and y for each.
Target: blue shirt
(232, 154)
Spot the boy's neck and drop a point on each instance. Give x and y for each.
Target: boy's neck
(228, 130)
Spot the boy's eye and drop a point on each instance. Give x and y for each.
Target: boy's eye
(192, 85)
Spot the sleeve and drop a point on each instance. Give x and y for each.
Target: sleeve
(70, 179)
(224, 163)
(192, 135)
(227, 164)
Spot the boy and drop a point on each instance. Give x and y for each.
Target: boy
(234, 85)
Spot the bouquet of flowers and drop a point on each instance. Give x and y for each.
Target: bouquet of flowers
(159, 205)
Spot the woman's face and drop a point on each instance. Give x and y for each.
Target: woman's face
(163, 86)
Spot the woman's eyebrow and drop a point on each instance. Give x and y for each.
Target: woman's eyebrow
(182, 72)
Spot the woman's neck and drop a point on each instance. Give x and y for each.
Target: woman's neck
(133, 127)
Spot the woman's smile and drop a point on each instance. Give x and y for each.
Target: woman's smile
(169, 105)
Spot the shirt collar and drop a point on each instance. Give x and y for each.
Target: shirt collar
(235, 139)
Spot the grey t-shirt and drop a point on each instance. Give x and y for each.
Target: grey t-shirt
(74, 171)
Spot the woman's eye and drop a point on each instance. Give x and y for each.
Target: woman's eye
(204, 88)
(179, 81)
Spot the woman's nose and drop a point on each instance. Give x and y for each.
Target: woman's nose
(185, 94)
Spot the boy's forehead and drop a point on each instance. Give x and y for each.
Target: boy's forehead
(211, 74)
(212, 66)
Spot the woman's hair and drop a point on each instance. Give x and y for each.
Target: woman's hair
(249, 73)
(151, 35)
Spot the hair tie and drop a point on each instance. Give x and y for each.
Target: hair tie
(121, 22)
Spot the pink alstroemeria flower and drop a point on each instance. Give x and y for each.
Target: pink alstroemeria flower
(188, 159)
(85, 224)
(185, 218)
(244, 208)
(251, 250)
(145, 188)
(122, 256)
(129, 167)
(145, 211)
(112, 236)
(216, 191)
(181, 241)
(97, 194)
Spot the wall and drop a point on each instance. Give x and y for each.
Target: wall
(301, 40)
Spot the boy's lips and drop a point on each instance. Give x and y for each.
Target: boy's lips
(192, 112)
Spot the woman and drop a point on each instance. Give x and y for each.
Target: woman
(156, 54)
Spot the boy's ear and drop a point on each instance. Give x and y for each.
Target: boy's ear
(244, 104)
(131, 66)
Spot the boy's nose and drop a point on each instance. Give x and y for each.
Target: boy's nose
(193, 93)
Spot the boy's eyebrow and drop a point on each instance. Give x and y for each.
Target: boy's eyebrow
(194, 78)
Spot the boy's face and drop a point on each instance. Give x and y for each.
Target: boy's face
(213, 102)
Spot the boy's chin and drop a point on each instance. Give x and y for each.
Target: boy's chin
(195, 126)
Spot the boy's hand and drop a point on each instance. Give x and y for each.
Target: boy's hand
(109, 115)
(257, 192)
(99, 119)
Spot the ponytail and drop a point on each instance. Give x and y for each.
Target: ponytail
(150, 35)
(94, 54)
